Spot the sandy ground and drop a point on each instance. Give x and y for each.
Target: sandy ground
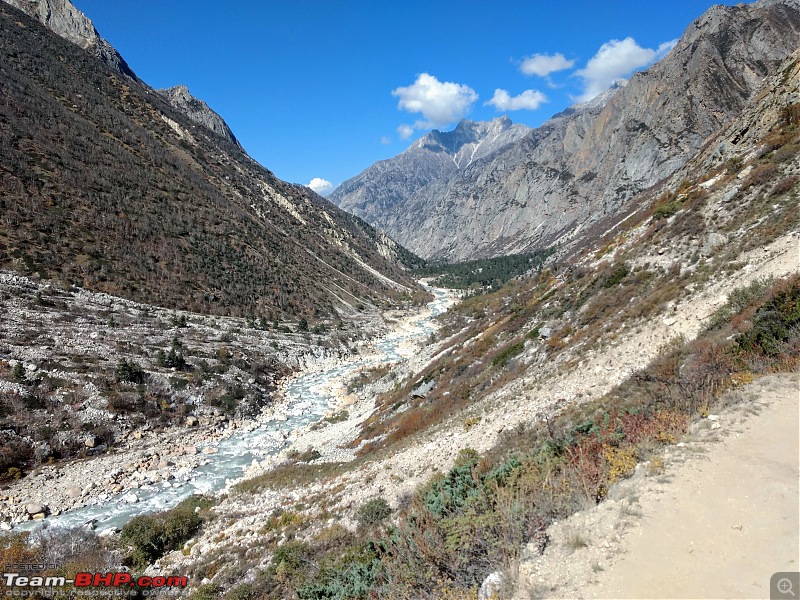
(725, 524)
(721, 520)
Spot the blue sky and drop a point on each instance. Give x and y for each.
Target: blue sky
(322, 89)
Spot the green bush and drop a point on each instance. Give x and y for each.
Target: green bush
(373, 512)
(618, 273)
(152, 536)
(128, 370)
(666, 210)
(775, 323)
(506, 354)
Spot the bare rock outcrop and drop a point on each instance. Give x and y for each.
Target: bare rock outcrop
(198, 111)
(64, 19)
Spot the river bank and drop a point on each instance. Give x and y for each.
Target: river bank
(152, 470)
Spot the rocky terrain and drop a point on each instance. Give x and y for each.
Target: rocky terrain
(385, 187)
(501, 453)
(64, 19)
(131, 393)
(396, 474)
(543, 347)
(590, 161)
(67, 21)
(745, 456)
(198, 111)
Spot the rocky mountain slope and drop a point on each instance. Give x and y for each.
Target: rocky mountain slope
(198, 111)
(385, 187)
(105, 185)
(61, 17)
(590, 161)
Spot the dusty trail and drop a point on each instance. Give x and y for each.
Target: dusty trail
(725, 523)
(718, 524)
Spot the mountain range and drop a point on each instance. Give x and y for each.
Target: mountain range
(111, 185)
(544, 187)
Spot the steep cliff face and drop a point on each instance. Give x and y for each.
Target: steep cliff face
(198, 111)
(61, 17)
(589, 161)
(389, 184)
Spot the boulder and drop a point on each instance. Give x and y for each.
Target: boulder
(34, 509)
(492, 586)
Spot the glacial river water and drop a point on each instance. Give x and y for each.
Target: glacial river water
(307, 402)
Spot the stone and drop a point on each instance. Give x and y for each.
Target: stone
(492, 586)
(73, 492)
(34, 508)
(192, 421)
(713, 241)
(130, 498)
(108, 532)
(91, 441)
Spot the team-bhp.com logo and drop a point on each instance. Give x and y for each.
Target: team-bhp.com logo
(16, 581)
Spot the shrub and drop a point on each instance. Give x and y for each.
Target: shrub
(152, 536)
(506, 354)
(666, 210)
(18, 373)
(128, 370)
(760, 175)
(373, 512)
(784, 185)
(618, 273)
(775, 323)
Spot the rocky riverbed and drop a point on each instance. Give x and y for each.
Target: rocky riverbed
(158, 467)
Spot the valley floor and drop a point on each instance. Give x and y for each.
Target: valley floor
(719, 521)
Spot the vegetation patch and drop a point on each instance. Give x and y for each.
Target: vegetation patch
(474, 519)
(151, 536)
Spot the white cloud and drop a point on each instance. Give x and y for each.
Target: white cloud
(527, 100)
(544, 64)
(664, 48)
(321, 186)
(440, 103)
(405, 131)
(385, 139)
(616, 59)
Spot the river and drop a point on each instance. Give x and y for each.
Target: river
(307, 400)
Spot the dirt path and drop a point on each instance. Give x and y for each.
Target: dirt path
(717, 524)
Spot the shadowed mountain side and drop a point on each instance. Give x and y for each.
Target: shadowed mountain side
(107, 186)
